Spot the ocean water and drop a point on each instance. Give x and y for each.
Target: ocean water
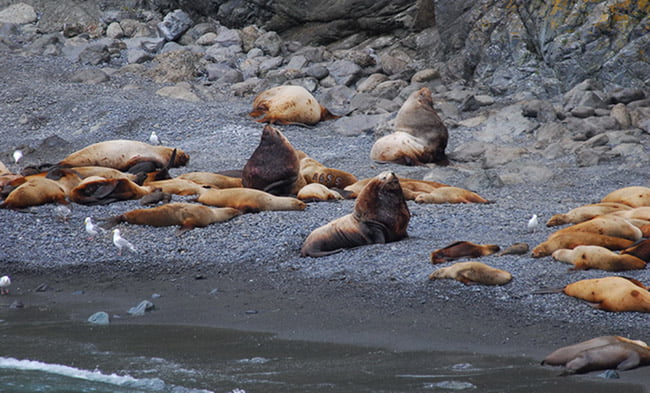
(76, 357)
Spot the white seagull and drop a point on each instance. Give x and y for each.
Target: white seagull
(533, 223)
(91, 228)
(5, 282)
(121, 242)
(153, 138)
(18, 155)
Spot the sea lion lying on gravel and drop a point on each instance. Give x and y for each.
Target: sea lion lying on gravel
(380, 216)
(635, 196)
(586, 212)
(473, 273)
(95, 190)
(313, 171)
(462, 249)
(317, 192)
(289, 105)
(640, 250)
(211, 179)
(609, 225)
(596, 257)
(450, 195)
(411, 188)
(420, 136)
(248, 200)
(613, 293)
(600, 353)
(571, 240)
(34, 192)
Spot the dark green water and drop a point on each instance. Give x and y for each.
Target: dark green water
(57, 357)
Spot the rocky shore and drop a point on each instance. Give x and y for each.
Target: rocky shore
(130, 72)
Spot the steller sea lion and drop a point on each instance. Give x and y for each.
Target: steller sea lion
(34, 192)
(462, 249)
(3, 169)
(600, 353)
(317, 192)
(420, 136)
(95, 190)
(313, 171)
(177, 186)
(186, 215)
(515, 249)
(410, 187)
(380, 216)
(605, 225)
(596, 257)
(102, 171)
(640, 250)
(635, 196)
(289, 105)
(637, 213)
(211, 179)
(248, 200)
(573, 239)
(586, 212)
(124, 154)
(612, 293)
(473, 273)
(450, 195)
(274, 165)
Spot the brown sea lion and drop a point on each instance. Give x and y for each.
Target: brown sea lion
(586, 212)
(450, 195)
(380, 216)
(211, 179)
(596, 257)
(515, 249)
(410, 187)
(248, 200)
(186, 215)
(101, 171)
(616, 294)
(176, 186)
(601, 353)
(473, 273)
(317, 192)
(95, 190)
(313, 171)
(34, 192)
(289, 105)
(573, 239)
(125, 154)
(640, 250)
(420, 136)
(635, 196)
(274, 165)
(605, 225)
(462, 249)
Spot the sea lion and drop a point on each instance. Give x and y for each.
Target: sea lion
(248, 200)
(640, 250)
(313, 171)
(124, 154)
(411, 188)
(317, 192)
(176, 186)
(613, 293)
(605, 225)
(515, 249)
(637, 213)
(571, 240)
(420, 136)
(600, 353)
(596, 257)
(3, 169)
(450, 195)
(274, 165)
(95, 190)
(462, 249)
(473, 273)
(380, 216)
(211, 179)
(101, 171)
(34, 192)
(186, 215)
(156, 196)
(635, 196)
(586, 212)
(289, 105)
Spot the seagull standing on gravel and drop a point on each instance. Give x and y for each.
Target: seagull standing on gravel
(533, 223)
(5, 282)
(18, 155)
(153, 138)
(121, 242)
(92, 229)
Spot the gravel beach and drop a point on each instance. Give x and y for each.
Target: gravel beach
(247, 273)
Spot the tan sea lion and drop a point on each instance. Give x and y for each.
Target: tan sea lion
(176, 186)
(186, 215)
(3, 169)
(248, 200)
(613, 293)
(596, 257)
(605, 225)
(420, 136)
(317, 192)
(450, 195)
(473, 273)
(462, 249)
(124, 154)
(289, 105)
(571, 240)
(410, 187)
(601, 353)
(586, 212)
(214, 180)
(313, 171)
(640, 250)
(380, 216)
(635, 196)
(274, 165)
(34, 192)
(95, 190)
(101, 171)
(637, 213)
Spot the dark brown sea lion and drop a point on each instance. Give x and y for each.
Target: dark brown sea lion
(640, 250)
(124, 154)
(420, 136)
(613, 293)
(596, 257)
(573, 239)
(248, 200)
(186, 215)
(600, 353)
(274, 165)
(289, 105)
(462, 249)
(380, 216)
(96, 190)
(473, 273)
(515, 249)
(634, 196)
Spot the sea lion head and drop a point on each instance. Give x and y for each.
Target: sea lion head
(181, 158)
(382, 200)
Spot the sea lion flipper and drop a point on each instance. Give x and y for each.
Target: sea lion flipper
(633, 360)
